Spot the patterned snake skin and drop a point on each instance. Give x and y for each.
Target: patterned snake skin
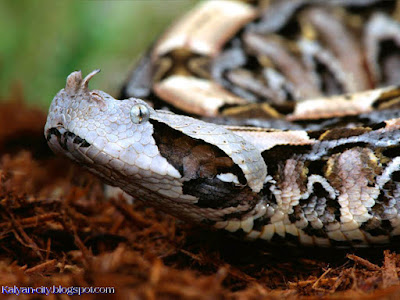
(318, 162)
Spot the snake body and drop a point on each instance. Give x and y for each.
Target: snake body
(326, 171)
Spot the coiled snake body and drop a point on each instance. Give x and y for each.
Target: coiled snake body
(318, 162)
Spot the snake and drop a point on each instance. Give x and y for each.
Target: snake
(269, 120)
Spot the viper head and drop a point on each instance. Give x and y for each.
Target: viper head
(109, 136)
(185, 166)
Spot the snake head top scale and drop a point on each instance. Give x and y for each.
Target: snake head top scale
(184, 166)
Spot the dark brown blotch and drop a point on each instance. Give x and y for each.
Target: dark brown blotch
(343, 147)
(333, 207)
(193, 158)
(340, 133)
(261, 222)
(311, 231)
(374, 227)
(277, 155)
(316, 167)
(392, 152)
(217, 194)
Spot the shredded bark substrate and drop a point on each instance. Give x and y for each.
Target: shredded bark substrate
(57, 228)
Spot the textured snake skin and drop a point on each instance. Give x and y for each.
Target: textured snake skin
(323, 171)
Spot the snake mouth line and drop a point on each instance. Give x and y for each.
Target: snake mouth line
(63, 136)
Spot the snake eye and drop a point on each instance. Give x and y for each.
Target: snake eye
(139, 113)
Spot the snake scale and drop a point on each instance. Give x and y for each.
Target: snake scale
(272, 120)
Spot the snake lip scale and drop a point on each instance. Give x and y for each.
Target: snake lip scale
(335, 183)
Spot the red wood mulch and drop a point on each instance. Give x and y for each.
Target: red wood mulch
(57, 228)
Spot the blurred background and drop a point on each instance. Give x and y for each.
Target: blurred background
(42, 42)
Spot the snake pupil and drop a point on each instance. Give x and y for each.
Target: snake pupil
(140, 114)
